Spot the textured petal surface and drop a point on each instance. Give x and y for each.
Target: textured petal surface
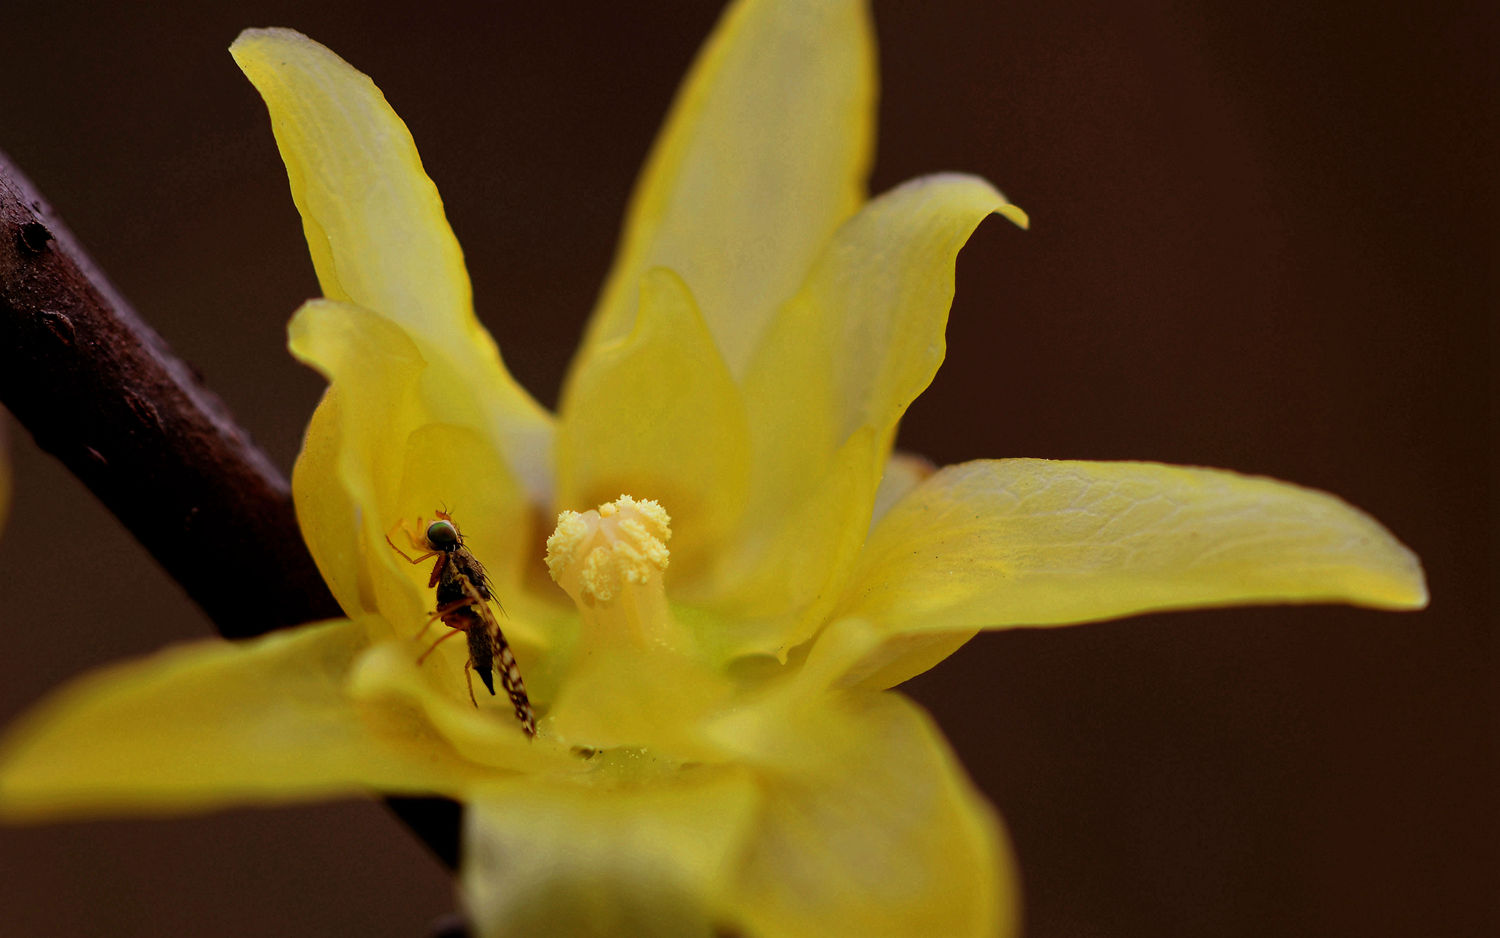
(791, 566)
(1030, 542)
(861, 339)
(377, 455)
(375, 224)
(764, 153)
(569, 860)
(624, 697)
(657, 415)
(351, 456)
(432, 697)
(864, 335)
(868, 826)
(215, 724)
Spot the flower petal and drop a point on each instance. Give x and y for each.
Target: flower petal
(214, 724)
(656, 414)
(764, 153)
(377, 454)
(434, 700)
(626, 697)
(376, 228)
(351, 456)
(561, 859)
(864, 335)
(868, 826)
(1031, 542)
(775, 588)
(862, 338)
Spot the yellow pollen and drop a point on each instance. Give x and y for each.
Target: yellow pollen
(595, 555)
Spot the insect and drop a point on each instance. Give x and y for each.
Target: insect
(463, 604)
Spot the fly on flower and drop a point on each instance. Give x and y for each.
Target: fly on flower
(463, 604)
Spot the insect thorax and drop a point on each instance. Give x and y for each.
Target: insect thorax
(459, 576)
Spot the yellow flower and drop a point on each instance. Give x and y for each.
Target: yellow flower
(717, 746)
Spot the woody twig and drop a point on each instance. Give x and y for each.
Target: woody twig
(102, 392)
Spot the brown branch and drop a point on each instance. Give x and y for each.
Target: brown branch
(101, 391)
(98, 389)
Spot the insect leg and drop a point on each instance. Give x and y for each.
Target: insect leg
(443, 610)
(430, 553)
(435, 644)
(469, 679)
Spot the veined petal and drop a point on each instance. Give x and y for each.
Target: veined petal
(562, 859)
(861, 339)
(376, 228)
(775, 588)
(657, 415)
(215, 724)
(764, 153)
(864, 335)
(1032, 542)
(868, 826)
(379, 454)
(351, 456)
(374, 221)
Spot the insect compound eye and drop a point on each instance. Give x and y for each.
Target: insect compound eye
(442, 535)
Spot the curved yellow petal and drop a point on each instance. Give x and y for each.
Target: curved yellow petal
(864, 335)
(862, 338)
(637, 699)
(352, 454)
(868, 826)
(379, 453)
(903, 656)
(216, 724)
(1032, 542)
(764, 153)
(434, 701)
(774, 588)
(376, 228)
(561, 859)
(458, 469)
(656, 415)
(374, 221)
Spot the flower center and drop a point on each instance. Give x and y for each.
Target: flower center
(610, 560)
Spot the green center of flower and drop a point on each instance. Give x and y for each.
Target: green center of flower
(610, 560)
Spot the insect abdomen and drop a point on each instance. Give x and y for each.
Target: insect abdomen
(510, 677)
(481, 654)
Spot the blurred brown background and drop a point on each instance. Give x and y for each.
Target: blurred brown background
(1263, 239)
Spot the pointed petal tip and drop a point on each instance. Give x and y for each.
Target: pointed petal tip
(976, 188)
(1408, 592)
(1016, 215)
(256, 34)
(1420, 598)
(736, 210)
(1120, 539)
